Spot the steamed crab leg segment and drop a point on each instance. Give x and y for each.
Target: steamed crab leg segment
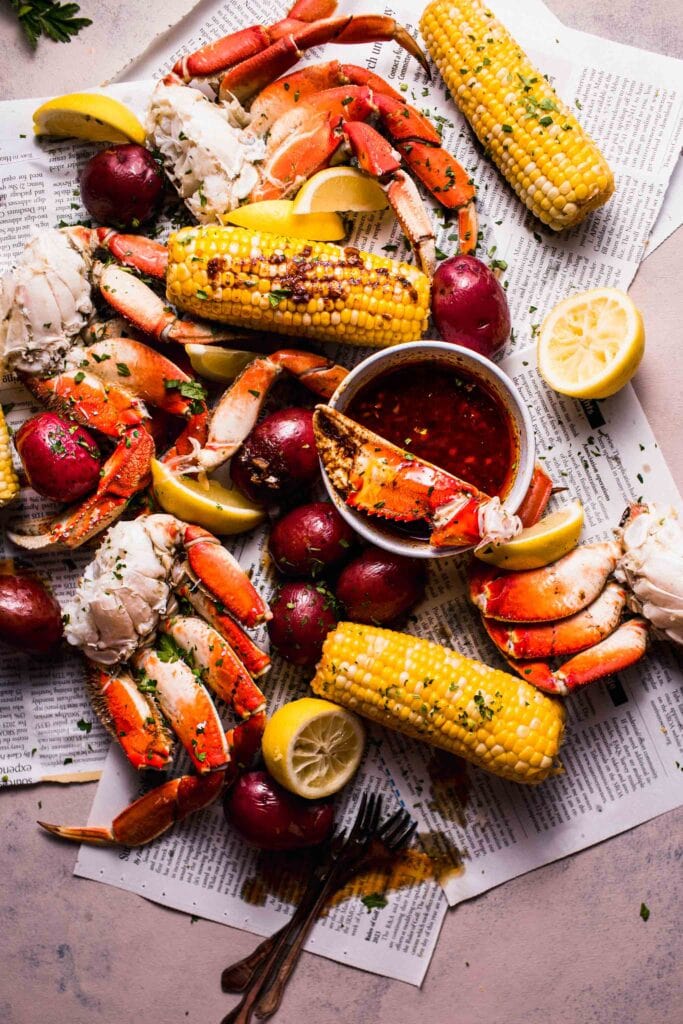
(150, 815)
(256, 661)
(188, 708)
(130, 717)
(223, 576)
(623, 648)
(564, 636)
(218, 664)
(380, 479)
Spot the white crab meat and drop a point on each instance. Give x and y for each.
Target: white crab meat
(208, 157)
(44, 303)
(652, 568)
(125, 590)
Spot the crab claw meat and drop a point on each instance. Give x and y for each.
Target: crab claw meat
(553, 592)
(652, 567)
(378, 478)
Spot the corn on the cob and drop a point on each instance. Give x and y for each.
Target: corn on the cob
(293, 286)
(533, 137)
(9, 484)
(495, 720)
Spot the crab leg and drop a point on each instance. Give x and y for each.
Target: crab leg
(618, 651)
(211, 564)
(150, 815)
(382, 480)
(565, 636)
(256, 661)
(554, 592)
(130, 716)
(236, 414)
(188, 708)
(220, 667)
(536, 499)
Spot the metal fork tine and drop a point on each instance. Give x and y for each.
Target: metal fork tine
(375, 817)
(401, 822)
(388, 825)
(402, 839)
(358, 823)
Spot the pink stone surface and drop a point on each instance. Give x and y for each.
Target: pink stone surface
(564, 944)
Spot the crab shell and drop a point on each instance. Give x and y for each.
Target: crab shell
(651, 567)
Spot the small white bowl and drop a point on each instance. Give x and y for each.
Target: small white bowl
(379, 531)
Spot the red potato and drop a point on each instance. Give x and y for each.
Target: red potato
(378, 586)
(469, 305)
(278, 457)
(272, 818)
(121, 186)
(303, 615)
(310, 539)
(30, 617)
(61, 460)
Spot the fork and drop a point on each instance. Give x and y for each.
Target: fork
(276, 956)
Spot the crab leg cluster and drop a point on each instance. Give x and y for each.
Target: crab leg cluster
(152, 666)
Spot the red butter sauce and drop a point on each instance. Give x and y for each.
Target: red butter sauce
(443, 415)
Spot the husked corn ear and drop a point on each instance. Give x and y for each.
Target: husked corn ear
(9, 484)
(538, 145)
(293, 286)
(493, 719)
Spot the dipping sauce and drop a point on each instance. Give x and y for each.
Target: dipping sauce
(443, 415)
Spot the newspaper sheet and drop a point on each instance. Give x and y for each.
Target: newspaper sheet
(622, 748)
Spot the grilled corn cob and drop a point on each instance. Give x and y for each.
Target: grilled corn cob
(536, 142)
(293, 286)
(9, 484)
(493, 719)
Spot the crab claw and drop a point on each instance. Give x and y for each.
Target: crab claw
(381, 479)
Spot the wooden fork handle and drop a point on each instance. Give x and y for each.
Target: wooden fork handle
(237, 976)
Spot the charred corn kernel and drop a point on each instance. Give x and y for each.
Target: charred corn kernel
(9, 484)
(293, 286)
(533, 137)
(493, 719)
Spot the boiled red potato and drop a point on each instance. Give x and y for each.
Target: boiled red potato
(61, 460)
(121, 186)
(379, 586)
(469, 305)
(310, 539)
(303, 615)
(272, 818)
(30, 617)
(277, 458)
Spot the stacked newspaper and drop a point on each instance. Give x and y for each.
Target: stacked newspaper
(622, 749)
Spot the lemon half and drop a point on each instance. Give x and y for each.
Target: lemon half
(591, 344)
(279, 218)
(340, 188)
(312, 747)
(539, 545)
(219, 364)
(88, 115)
(219, 509)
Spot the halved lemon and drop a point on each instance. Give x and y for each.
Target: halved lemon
(312, 747)
(340, 188)
(220, 509)
(88, 115)
(539, 545)
(219, 364)
(279, 217)
(591, 344)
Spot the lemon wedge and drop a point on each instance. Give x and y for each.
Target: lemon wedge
(312, 747)
(88, 115)
(219, 364)
(591, 344)
(218, 509)
(279, 217)
(340, 188)
(539, 545)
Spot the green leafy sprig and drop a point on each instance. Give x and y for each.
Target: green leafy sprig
(48, 18)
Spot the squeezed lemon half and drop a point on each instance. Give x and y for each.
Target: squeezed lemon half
(312, 747)
(549, 539)
(339, 188)
(219, 364)
(88, 115)
(591, 344)
(220, 509)
(280, 218)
